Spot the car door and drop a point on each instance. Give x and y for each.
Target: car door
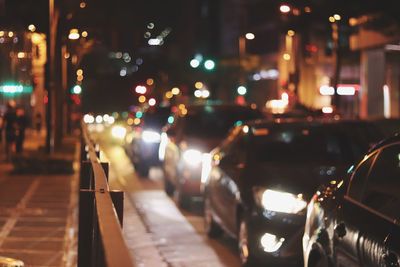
(226, 190)
(351, 217)
(379, 243)
(367, 227)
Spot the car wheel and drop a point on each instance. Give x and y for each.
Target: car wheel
(142, 169)
(244, 244)
(212, 229)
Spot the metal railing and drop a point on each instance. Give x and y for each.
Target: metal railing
(100, 239)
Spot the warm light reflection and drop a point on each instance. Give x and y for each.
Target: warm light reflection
(31, 28)
(84, 34)
(82, 5)
(175, 91)
(291, 33)
(286, 56)
(142, 99)
(79, 72)
(198, 85)
(150, 81)
(10, 34)
(73, 34)
(169, 94)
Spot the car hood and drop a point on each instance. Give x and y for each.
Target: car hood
(203, 144)
(293, 177)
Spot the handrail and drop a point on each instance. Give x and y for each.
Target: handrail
(113, 251)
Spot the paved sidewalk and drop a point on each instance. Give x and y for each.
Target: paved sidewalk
(38, 211)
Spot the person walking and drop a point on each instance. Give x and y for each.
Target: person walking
(10, 120)
(21, 123)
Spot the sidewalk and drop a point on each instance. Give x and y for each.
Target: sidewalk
(38, 211)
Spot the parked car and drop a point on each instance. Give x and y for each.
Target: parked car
(196, 131)
(261, 177)
(355, 221)
(144, 141)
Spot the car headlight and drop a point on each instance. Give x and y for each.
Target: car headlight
(192, 157)
(279, 201)
(118, 132)
(151, 136)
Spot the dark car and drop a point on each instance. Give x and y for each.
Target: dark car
(262, 175)
(196, 131)
(144, 143)
(355, 221)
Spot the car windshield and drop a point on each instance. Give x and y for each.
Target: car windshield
(215, 122)
(329, 143)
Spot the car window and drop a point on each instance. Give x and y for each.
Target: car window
(382, 192)
(359, 178)
(215, 123)
(305, 143)
(234, 147)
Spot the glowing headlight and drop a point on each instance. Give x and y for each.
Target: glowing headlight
(192, 157)
(280, 201)
(118, 132)
(151, 137)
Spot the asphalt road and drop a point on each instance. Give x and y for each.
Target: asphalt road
(157, 231)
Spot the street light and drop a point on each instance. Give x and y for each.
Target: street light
(285, 8)
(73, 34)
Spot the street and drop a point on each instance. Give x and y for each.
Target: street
(155, 229)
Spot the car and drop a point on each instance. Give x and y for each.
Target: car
(197, 129)
(354, 221)
(258, 181)
(143, 142)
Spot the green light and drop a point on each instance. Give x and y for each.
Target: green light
(124, 115)
(194, 63)
(209, 64)
(77, 89)
(171, 119)
(238, 123)
(242, 90)
(139, 114)
(12, 89)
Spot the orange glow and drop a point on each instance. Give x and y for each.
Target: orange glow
(79, 72)
(198, 85)
(84, 34)
(286, 56)
(82, 5)
(150, 81)
(142, 99)
(136, 121)
(169, 94)
(175, 91)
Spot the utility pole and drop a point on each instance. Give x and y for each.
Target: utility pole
(53, 136)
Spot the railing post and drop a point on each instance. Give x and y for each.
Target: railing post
(86, 175)
(117, 197)
(85, 230)
(106, 168)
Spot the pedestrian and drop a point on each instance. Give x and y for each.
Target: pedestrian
(22, 123)
(10, 120)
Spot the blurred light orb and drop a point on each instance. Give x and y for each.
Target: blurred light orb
(169, 95)
(284, 8)
(122, 72)
(337, 17)
(73, 34)
(147, 35)
(79, 72)
(136, 121)
(286, 56)
(99, 119)
(291, 33)
(77, 89)
(242, 90)
(82, 5)
(199, 85)
(197, 93)
(150, 26)
(332, 19)
(10, 34)
(175, 91)
(150, 81)
(142, 99)
(152, 102)
(194, 63)
(250, 36)
(32, 28)
(209, 64)
(205, 93)
(85, 34)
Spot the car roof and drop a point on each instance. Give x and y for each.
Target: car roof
(260, 123)
(388, 141)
